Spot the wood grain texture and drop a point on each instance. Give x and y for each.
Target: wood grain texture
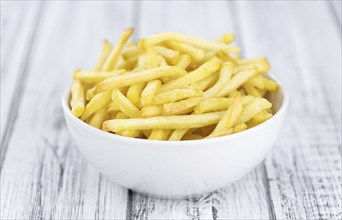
(304, 170)
(43, 175)
(245, 199)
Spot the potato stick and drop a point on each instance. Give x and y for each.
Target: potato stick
(262, 65)
(207, 82)
(151, 58)
(106, 48)
(90, 93)
(251, 90)
(259, 118)
(237, 80)
(157, 134)
(171, 56)
(192, 137)
(132, 51)
(134, 92)
(176, 95)
(161, 61)
(270, 85)
(225, 74)
(96, 103)
(125, 104)
(95, 76)
(149, 92)
(151, 111)
(194, 41)
(230, 116)
(219, 104)
(99, 117)
(177, 107)
(163, 122)
(240, 127)
(207, 56)
(77, 101)
(141, 65)
(113, 107)
(177, 134)
(138, 77)
(252, 109)
(183, 61)
(227, 38)
(113, 57)
(256, 81)
(195, 53)
(203, 71)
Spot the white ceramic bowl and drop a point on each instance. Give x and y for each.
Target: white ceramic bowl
(177, 168)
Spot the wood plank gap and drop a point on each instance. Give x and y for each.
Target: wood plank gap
(265, 181)
(20, 87)
(129, 207)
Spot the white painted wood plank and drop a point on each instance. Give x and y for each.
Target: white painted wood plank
(245, 199)
(18, 21)
(303, 44)
(43, 175)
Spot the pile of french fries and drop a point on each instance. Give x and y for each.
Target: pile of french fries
(172, 86)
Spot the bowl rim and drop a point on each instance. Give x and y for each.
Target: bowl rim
(282, 109)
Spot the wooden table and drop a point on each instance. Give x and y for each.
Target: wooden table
(43, 175)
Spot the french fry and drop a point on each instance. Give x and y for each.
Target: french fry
(227, 38)
(113, 57)
(239, 127)
(207, 82)
(96, 103)
(252, 109)
(134, 92)
(176, 95)
(194, 41)
(90, 93)
(261, 64)
(171, 56)
(180, 106)
(230, 116)
(151, 111)
(219, 104)
(125, 105)
(203, 71)
(195, 53)
(149, 92)
(151, 58)
(270, 85)
(224, 132)
(113, 107)
(183, 61)
(95, 76)
(177, 134)
(132, 51)
(159, 134)
(225, 74)
(257, 82)
(251, 90)
(99, 117)
(237, 80)
(77, 101)
(131, 78)
(106, 48)
(163, 122)
(259, 118)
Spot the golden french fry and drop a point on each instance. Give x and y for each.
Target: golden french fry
(183, 61)
(262, 92)
(151, 111)
(121, 115)
(257, 82)
(132, 51)
(227, 38)
(180, 106)
(113, 107)
(176, 95)
(177, 134)
(149, 92)
(261, 64)
(195, 53)
(125, 105)
(151, 58)
(230, 116)
(77, 101)
(159, 134)
(251, 90)
(203, 71)
(270, 85)
(207, 82)
(96, 103)
(194, 41)
(219, 104)
(240, 127)
(252, 109)
(259, 118)
(171, 56)
(134, 92)
(138, 77)
(224, 132)
(225, 74)
(163, 122)
(99, 117)
(237, 80)
(106, 48)
(90, 93)
(95, 76)
(113, 57)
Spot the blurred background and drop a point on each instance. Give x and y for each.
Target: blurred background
(43, 42)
